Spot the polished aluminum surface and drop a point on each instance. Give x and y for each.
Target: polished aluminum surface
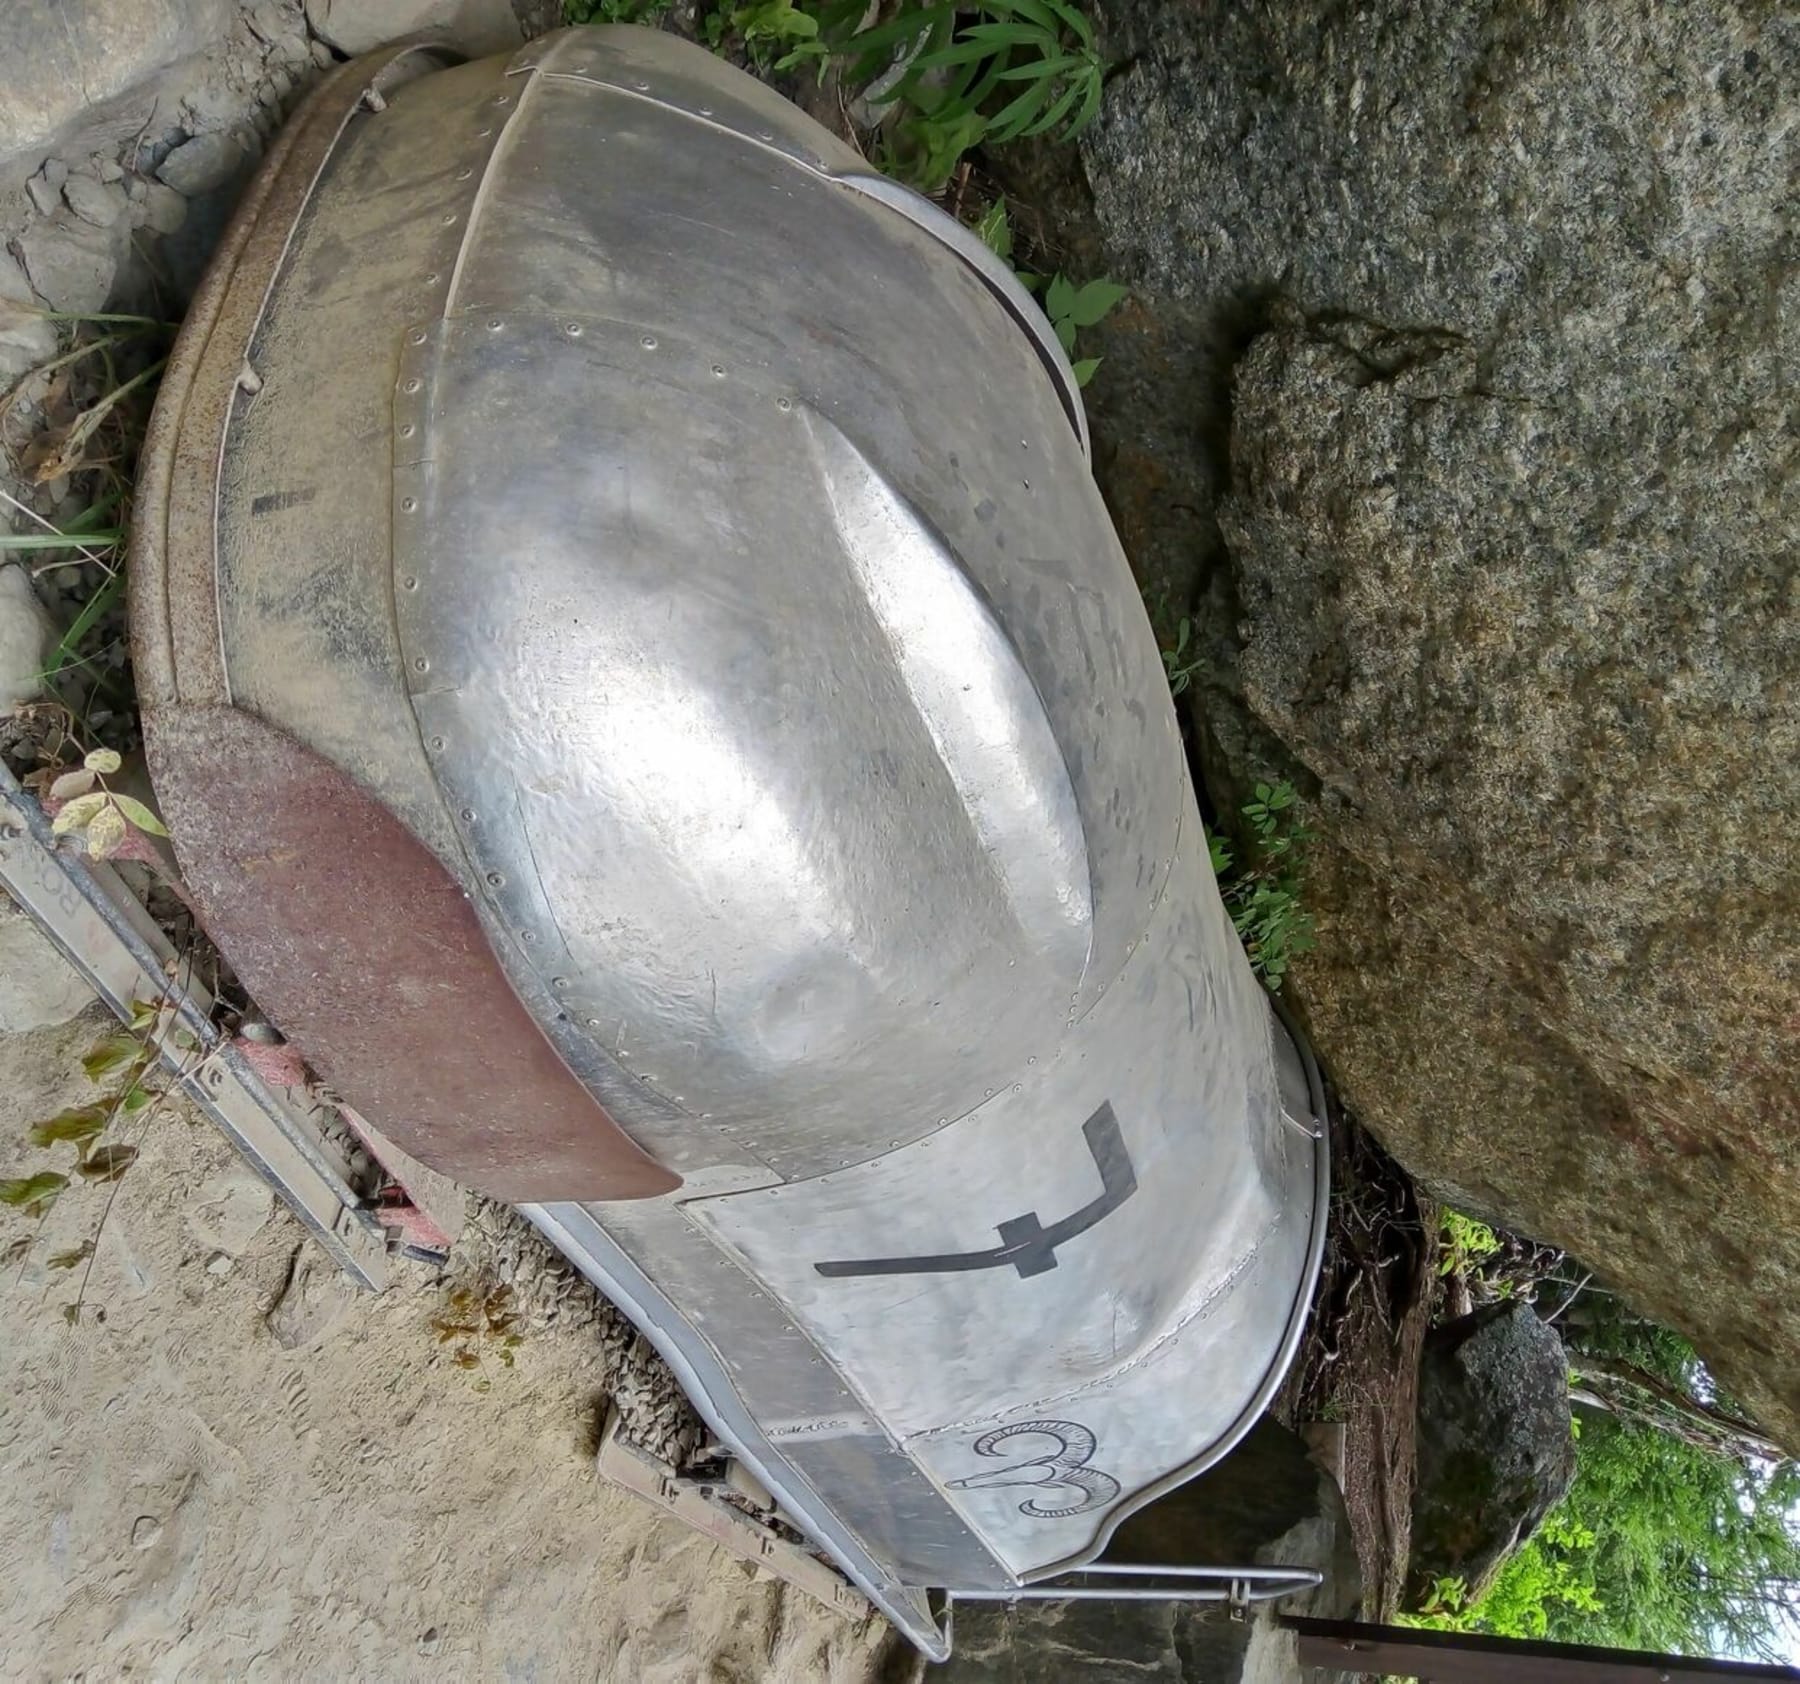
(689, 538)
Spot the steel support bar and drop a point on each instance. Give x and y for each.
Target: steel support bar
(1441, 1657)
(102, 931)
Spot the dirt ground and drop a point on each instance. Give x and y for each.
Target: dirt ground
(185, 1498)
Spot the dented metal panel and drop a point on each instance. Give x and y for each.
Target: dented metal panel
(723, 792)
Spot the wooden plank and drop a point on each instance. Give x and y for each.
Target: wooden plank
(1441, 1657)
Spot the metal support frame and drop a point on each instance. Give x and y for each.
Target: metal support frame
(1238, 1586)
(102, 931)
(701, 1506)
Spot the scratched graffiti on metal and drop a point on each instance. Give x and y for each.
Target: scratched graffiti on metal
(1063, 1468)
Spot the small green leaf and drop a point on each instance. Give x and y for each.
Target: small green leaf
(1084, 370)
(1010, 121)
(1039, 68)
(81, 1123)
(114, 1053)
(69, 1259)
(1060, 299)
(140, 815)
(1094, 300)
(136, 1098)
(1064, 329)
(78, 812)
(33, 1192)
(994, 230)
(107, 1163)
(102, 760)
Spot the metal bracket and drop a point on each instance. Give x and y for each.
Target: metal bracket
(702, 1507)
(108, 937)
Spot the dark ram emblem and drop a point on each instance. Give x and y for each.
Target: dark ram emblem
(1064, 1468)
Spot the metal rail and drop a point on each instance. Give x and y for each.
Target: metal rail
(1239, 1586)
(102, 931)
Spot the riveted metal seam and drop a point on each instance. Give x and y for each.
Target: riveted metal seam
(490, 169)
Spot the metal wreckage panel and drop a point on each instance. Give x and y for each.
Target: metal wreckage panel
(583, 457)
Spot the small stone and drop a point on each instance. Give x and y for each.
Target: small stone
(70, 262)
(26, 338)
(219, 1264)
(269, 19)
(43, 194)
(477, 27)
(108, 169)
(211, 107)
(56, 172)
(323, 56)
(203, 163)
(99, 202)
(164, 210)
(145, 1530)
(26, 634)
(292, 49)
(430, 1640)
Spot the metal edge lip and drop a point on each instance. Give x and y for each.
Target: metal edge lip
(171, 558)
(1277, 1371)
(995, 276)
(638, 1297)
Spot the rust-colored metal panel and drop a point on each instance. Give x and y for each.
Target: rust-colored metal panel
(361, 948)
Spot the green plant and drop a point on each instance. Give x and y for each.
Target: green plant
(777, 35)
(1178, 664)
(994, 71)
(1069, 307)
(962, 75)
(1464, 1243)
(479, 1321)
(102, 817)
(94, 413)
(614, 11)
(1262, 893)
(122, 1061)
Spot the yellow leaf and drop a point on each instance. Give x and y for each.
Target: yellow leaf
(78, 812)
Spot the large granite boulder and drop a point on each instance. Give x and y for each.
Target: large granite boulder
(1496, 1445)
(1457, 387)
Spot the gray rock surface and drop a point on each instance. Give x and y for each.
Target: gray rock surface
(71, 263)
(39, 988)
(1496, 1446)
(26, 636)
(163, 209)
(206, 162)
(93, 200)
(1457, 389)
(93, 65)
(26, 338)
(356, 26)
